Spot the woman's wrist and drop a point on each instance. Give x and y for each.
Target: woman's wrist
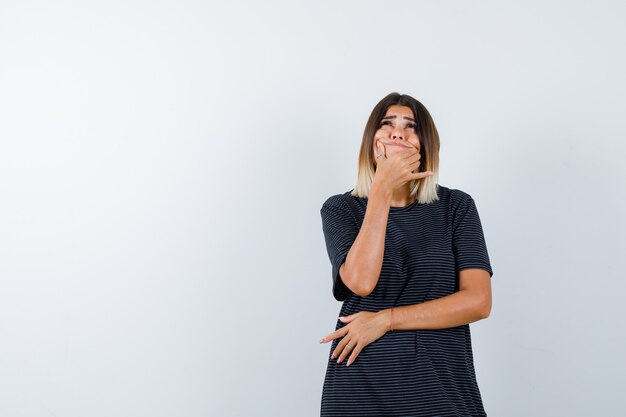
(378, 191)
(387, 319)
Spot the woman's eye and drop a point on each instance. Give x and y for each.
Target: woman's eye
(412, 125)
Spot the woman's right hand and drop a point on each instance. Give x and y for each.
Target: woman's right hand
(399, 168)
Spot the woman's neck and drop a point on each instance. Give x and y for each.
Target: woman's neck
(401, 197)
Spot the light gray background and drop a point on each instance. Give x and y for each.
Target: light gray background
(162, 167)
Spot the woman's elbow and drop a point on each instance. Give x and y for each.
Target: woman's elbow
(485, 307)
(361, 290)
(355, 285)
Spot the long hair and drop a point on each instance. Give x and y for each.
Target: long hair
(424, 188)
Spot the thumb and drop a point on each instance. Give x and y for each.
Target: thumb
(347, 319)
(420, 175)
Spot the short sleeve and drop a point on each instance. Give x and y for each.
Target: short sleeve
(468, 241)
(340, 230)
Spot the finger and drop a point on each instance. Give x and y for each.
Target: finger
(408, 155)
(336, 334)
(420, 175)
(380, 149)
(340, 346)
(415, 154)
(415, 164)
(409, 150)
(354, 354)
(413, 159)
(347, 319)
(415, 167)
(346, 349)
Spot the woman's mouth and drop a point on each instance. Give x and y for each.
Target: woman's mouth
(398, 144)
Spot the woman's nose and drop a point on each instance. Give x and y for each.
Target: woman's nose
(397, 134)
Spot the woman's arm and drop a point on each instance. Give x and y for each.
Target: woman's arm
(471, 303)
(364, 261)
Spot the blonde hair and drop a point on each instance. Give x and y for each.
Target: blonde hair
(425, 188)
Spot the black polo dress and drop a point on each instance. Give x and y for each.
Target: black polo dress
(407, 372)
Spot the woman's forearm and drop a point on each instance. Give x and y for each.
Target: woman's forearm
(361, 270)
(461, 307)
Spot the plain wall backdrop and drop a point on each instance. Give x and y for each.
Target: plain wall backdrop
(163, 164)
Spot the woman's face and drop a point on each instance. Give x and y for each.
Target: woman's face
(397, 131)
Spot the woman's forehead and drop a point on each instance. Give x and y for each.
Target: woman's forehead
(399, 111)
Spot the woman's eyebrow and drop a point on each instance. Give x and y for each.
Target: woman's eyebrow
(393, 117)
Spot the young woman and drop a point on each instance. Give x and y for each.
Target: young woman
(410, 264)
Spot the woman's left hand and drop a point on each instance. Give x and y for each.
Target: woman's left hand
(362, 329)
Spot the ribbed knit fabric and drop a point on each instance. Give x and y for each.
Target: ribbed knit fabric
(407, 372)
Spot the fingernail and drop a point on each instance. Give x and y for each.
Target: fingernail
(322, 341)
